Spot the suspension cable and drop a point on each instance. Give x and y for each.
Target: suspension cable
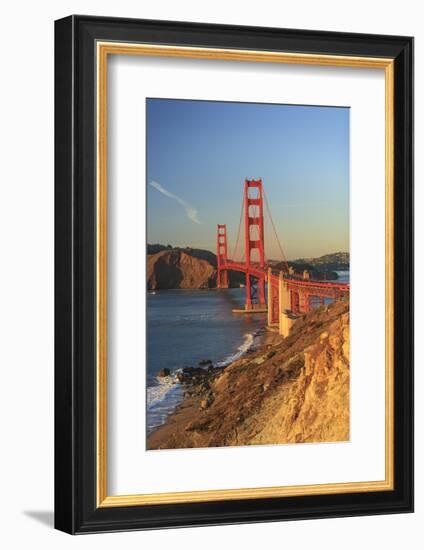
(275, 232)
(239, 229)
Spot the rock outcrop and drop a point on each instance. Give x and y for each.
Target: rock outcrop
(186, 268)
(176, 268)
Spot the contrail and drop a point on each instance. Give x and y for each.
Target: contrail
(189, 210)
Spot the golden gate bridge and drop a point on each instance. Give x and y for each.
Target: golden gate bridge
(288, 294)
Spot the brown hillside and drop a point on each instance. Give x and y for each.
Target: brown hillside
(176, 269)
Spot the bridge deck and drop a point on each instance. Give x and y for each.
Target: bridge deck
(307, 285)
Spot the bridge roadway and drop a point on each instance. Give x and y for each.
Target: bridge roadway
(319, 288)
(286, 292)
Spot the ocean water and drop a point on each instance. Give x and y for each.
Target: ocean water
(186, 326)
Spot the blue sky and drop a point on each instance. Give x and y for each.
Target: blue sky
(200, 152)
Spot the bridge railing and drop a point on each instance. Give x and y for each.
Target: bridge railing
(318, 284)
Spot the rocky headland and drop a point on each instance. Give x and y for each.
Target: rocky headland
(178, 269)
(292, 390)
(183, 268)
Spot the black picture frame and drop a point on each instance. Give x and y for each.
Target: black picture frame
(76, 510)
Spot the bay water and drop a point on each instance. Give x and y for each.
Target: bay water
(185, 327)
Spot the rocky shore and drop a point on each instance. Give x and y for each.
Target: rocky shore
(290, 390)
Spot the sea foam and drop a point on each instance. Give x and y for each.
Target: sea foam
(248, 343)
(162, 399)
(167, 393)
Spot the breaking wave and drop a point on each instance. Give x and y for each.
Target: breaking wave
(162, 400)
(167, 392)
(248, 342)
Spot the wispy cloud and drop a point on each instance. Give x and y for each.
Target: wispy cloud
(189, 210)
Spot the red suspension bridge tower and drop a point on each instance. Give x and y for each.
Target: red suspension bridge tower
(254, 242)
(221, 254)
(254, 265)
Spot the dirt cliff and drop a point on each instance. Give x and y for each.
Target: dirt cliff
(292, 390)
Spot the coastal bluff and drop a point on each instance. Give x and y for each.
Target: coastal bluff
(183, 268)
(177, 268)
(287, 390)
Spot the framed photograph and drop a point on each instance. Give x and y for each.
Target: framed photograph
(234, 274)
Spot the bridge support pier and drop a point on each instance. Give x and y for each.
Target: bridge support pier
(248, 304)
(273, 298)
(286, 316)
(286, 322)
(284, 296)
(255, 293)
(222, 276)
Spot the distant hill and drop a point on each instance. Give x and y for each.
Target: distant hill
(155, 248)
(195, 252)
(324, 267)
(337, 261)
(175, 268)
(184, 268)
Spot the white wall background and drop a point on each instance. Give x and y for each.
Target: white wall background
(26, 274)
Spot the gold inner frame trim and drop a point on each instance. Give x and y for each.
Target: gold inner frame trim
(104, 49)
